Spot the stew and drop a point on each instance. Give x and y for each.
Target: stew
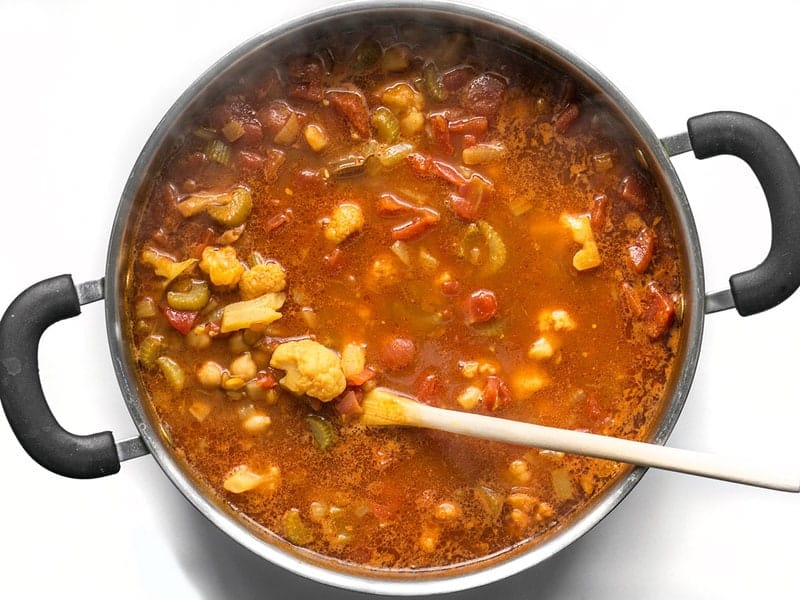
(424, 211)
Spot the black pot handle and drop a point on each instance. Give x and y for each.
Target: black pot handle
(778, 172)
(22, 325)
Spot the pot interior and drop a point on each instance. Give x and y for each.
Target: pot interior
(312, 34)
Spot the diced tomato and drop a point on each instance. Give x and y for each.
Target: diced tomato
(252, 136)
(450, 287)
(426, 166)
(421, 164)
(659, 310)
(458, 77)
(305, 74)
(334, 259)
(272, 164)
(441, 132)
(362, 377)
(484, 94)
(348, 404)
(279, 220)
(429, 387)
(427, 218)
(466, 204)
(469, 141)
(249, 161)
(566, 117)
(389, 204)
(353, 106)
(480, 306)
(181, 320)
(496, 394)
(475, 126)
(308, 179)
(448, 172)
(634, 191)
(266, 380)
(598, 212)
(274, 116)
(640, 253)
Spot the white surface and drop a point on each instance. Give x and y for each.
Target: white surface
(84, 83)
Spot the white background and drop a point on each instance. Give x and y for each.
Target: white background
(83, 85)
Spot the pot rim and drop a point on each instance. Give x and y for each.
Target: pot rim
(426, 582)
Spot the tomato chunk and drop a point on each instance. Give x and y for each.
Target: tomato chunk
(496, 394)
(181, 320)
(640, 253)
(480, 307)
(659, 310)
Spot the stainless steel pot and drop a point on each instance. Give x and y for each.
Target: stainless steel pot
(97, 455)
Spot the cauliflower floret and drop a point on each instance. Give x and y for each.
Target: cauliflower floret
(262, 279)
(346, 220)
(383, 272)
(311, 369)
(221, 264)
(526, 382)
(588, 257)
(556, 320)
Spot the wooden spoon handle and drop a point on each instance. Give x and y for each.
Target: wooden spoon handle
(600, 446)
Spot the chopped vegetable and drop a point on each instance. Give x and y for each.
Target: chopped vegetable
(247, 313)
(391, 156)
(588, 257)
(172, 372)
(401, 98)
(222, 265)
(262, 279)
(234, 212)
(233, 130)
(366, 54)
(497, 248)
(149, 350)
(165, 266)
(386, 124)
(482, 153)
(321, 431)
(345, 220)
(526, 382)
(562, 484)
(353, 360)
(242, 479)
(181, 320)
(145, 308)
(295, 530)
(311, 369)
(400, 250)
(257, 423)
(200, 410)
(316, 137)
(469, 398)
(289, 132)
(194, 298)
(490, 500)
(218, 151)
(396, 58)
(432, 79)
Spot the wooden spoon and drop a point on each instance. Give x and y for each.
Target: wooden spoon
(384, 407)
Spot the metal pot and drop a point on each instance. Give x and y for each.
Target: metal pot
(99, 454)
